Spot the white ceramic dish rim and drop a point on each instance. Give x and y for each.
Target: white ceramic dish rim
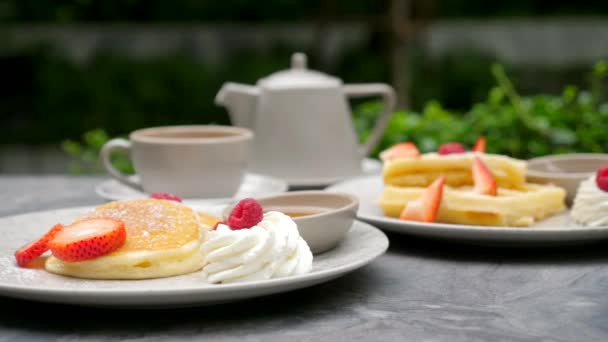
(513, 230)
(353, 202)
(282, 187)
(556, 175)
(86, 292)
(236, 134)
(194, 289)
(525, 231)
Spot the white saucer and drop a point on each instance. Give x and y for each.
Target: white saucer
(253, 186)
(361, 245)
(369, 166)
(558, 229)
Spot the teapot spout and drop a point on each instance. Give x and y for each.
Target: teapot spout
(241, 102)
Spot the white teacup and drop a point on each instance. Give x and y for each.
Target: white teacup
(188, 161)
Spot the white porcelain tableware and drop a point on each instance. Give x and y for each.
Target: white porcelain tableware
(188, 161)
(565, 170)
(323, 218)
(555, 230)
(369, 166)
(302, 122)
(361, 245)
(253, 186)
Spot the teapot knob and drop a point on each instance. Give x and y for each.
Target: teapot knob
(298, 60)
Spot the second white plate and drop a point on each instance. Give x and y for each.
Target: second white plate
(254, 185)
(558, 229)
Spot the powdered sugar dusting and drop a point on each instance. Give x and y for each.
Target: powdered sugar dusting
(156, 215)
(152, 224)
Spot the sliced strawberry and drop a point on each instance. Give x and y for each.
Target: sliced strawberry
(34, 249)
(480, 145)
(88, 239)
(425, 207)
(401, 150)
(485, 183)
(450, 148)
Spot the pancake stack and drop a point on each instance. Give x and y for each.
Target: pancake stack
(163, 240)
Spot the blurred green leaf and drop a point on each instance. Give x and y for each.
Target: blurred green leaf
(519, 126)
(85, 154)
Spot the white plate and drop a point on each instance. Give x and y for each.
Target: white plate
(558, 229)
(254, 185)
(368, 167)
(362, 244)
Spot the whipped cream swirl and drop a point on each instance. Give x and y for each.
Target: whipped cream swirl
(271, 249)
(590, 204)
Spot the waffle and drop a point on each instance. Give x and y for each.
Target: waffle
(517, 208)
(163, 239)
(509, 173)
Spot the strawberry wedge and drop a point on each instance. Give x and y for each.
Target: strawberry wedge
(401, 150)
(425, 207)
(32, 250)
(480, 145)
(88, 239)
(485, 184)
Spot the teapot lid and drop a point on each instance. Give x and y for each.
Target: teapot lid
(298, 76)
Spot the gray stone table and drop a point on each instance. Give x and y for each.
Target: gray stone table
(421, 290)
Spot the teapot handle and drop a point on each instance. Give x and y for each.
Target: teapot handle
(388, 102)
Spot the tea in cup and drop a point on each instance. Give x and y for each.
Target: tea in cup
(195, 161)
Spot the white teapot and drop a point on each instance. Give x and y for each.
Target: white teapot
(302, 122)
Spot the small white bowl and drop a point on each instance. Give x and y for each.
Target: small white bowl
(329, 215)
(565, 170)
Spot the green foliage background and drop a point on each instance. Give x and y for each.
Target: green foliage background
(48, 98)
(52, 98)
(523, 127)
(68, 11)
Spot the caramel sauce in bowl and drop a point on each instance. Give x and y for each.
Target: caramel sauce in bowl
(294, 214)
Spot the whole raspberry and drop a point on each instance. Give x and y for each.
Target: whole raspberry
(246, 214)
(165, 196)
(450, 148)
(601, 178)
